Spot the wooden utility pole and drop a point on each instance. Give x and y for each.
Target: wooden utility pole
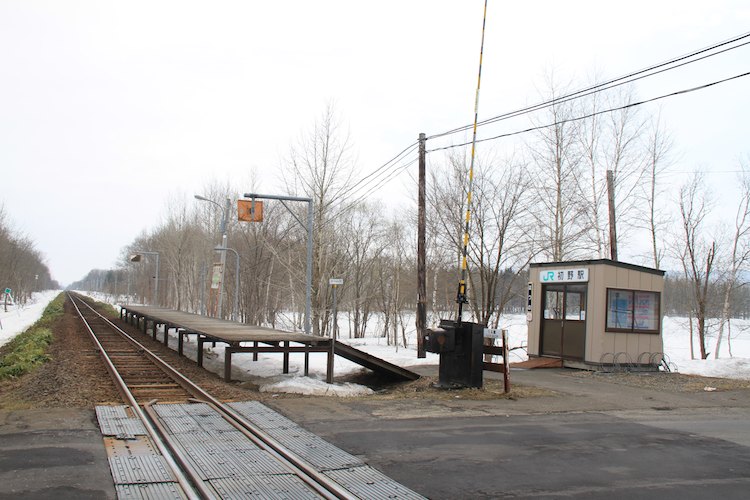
(421, 254)
(612, 226)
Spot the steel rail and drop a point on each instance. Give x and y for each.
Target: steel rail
(320, 483)
(191, 488)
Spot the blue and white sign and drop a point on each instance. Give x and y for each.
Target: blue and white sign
(564, 276)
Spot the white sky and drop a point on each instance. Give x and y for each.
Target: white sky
(107, 109)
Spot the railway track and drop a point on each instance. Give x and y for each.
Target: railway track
(143, 378)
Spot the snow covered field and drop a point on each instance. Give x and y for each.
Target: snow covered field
(266, 372)
(19, 318)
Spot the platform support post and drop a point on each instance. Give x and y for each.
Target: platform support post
(180, 340)
(286, 356)
(228, 363)
(200, 350)
(255, 353)
(166, 334)
(307, 359)
(329, 369)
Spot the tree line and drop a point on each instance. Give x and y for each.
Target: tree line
(22, 267)
(545, 198)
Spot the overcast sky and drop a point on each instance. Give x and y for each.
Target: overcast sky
(107, 109)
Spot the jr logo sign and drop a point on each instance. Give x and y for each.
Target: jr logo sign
(564, 276)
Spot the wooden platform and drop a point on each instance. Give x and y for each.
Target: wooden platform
(221, 330)
(213, 330)
(533, 363)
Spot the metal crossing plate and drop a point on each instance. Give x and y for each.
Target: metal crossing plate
(261, 415)
(257, 462)
(342, 467)
(269, 487)
(212, 464)
(315, 450)
(180, 425)
(220, 441)
(139, 469)
(312, 448)
(164, 491)
(237, 468)
(114, 421)
(192, 418)
(366, 482)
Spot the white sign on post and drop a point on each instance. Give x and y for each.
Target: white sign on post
(336, 281)
(493, 333)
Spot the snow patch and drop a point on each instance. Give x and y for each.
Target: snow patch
(314, 387)
(19, 318)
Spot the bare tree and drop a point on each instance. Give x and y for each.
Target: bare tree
(739, 255)
(659, 147)
(22, 267)
(561, 214)
(501, 250)
(364, 238)
(320, 165)
(697, 253)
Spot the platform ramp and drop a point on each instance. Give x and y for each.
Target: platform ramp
(374, 363)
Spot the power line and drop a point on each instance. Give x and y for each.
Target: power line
(364, 196)
(400, 168)
(622, 80)
(403, 152)
(591, 115)
(381, 172)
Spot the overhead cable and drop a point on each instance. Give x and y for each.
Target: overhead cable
(590, 115)
(622, 80)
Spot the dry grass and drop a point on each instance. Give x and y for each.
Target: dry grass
(425, 388)
(671, 382)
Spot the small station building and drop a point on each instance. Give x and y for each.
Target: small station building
(596, 314)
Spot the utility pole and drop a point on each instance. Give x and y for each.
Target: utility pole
(421, 254)
(612, 226)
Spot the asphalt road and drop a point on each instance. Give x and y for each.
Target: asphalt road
(53, 454)
(590, 440)
(587, 439)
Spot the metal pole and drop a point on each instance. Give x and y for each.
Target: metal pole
(237, 289)
(136, 258)
(335, 314)
(223, 259)
(332, 354)
(308, 279)
(203, 289)
(156, 286)
(235, 307)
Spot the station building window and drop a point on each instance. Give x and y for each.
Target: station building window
(632, 311)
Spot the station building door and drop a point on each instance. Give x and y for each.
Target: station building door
(563, 332)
